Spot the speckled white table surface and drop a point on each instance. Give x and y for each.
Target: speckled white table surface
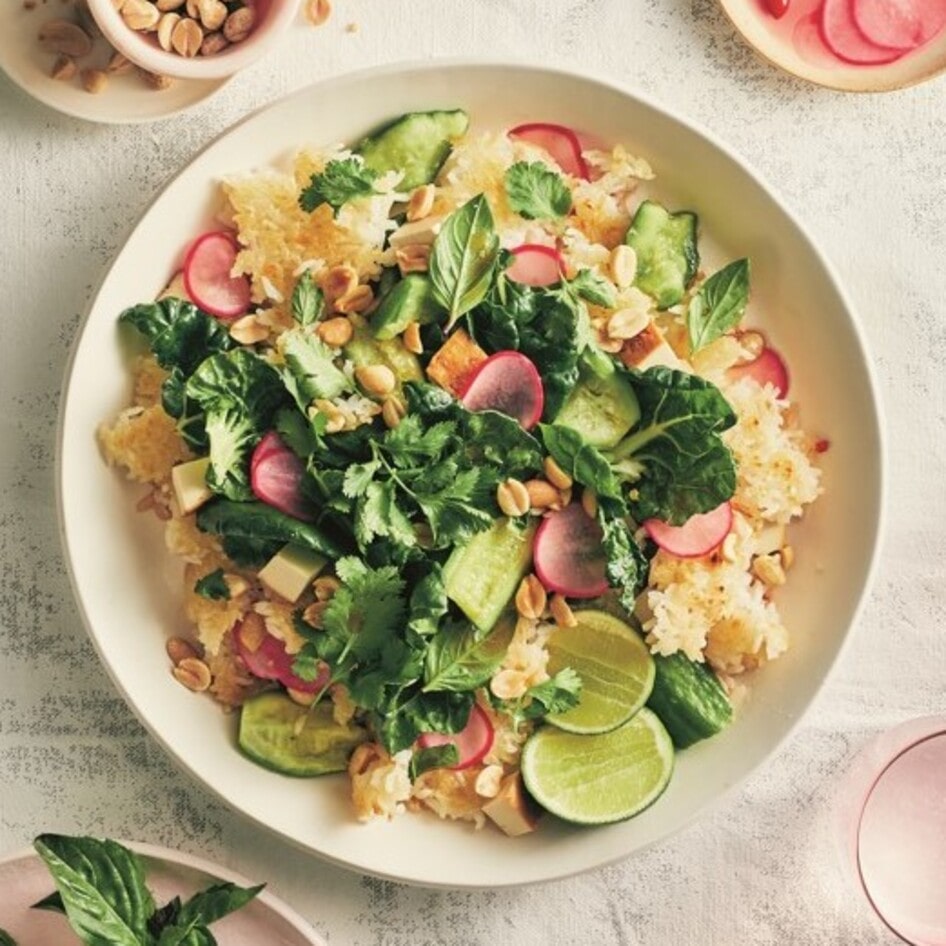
(865, 174)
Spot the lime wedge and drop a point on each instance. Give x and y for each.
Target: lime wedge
(615, 666)
(602, 778)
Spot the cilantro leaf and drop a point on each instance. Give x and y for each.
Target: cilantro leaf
(308, 301)
(341, 181)
(213, 586)
(536, 192)
(591, 287)
(555, 695)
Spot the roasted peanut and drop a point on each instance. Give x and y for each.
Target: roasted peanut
(239, 24)
(421, 202)
(556, 475)
(392, 412)
(531, 598)
(335, 332)
(192, 673)
(375, 379)
(623, 265)
(412, 340)
(562, 614)
(512, 497)
(542, 494)
(65, 38)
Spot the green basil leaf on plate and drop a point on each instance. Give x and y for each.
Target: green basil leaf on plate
(719, 304)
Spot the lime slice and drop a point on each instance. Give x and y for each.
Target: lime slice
(615, 666)
(602, 778)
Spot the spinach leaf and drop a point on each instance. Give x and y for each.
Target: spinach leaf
(340, 181)
(262, 526)
(675, 458)
(428, 603)
(463, 658)
(463, 258)
(190, 418)
(239, 394)
(423, 760)
(6, 939)
(308, 301)
(213, 586)
(310, 370)
(627, 564)
(495, 439)
(536, 192)
(417, 712)
(179, 334)
(102, 886)
(585, 464)
(719, 304)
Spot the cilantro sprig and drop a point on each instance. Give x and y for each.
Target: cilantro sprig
(536, 192)
(341, 181)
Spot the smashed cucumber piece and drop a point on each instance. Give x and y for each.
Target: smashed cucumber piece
(294, 740)
(667, 255)
(410, 300)
(417, 143)
(602, 410)
(365, 349)
(689, 699)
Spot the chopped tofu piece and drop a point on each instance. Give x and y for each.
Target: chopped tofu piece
(175, 289)
(416, 233)
(512, 810)
(290, 571)
(451, 366)
(189, 481)
(647, 349)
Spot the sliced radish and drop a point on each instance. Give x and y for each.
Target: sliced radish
(932, 15)
(840, 33)
(559, 141)
(698, 536)
(270, 661)
(207, 268)
(568, 554)
(473, 742)
(536, 265)
(891, 23)
(778, 8)
(507, 382)
(276, 475)
(768, 368)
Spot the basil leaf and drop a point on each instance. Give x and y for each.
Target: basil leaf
(463, 258)
(536, 192)
(340, 182)
(6, 939)
(102, 885)
(719, 304)
(164, 916)
(461, 658)
(216, 902)
(213, 586)
(308, 302)
(434, 757)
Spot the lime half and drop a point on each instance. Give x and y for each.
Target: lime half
(602, 778)
(615, 666)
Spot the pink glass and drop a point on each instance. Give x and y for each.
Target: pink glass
(891, 810)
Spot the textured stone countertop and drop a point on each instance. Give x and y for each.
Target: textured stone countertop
(866, 175)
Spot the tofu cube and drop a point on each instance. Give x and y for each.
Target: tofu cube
(290, 571)
(512, 810)
(452, 365)
(647, 349)
(417, 233)
(189, 481)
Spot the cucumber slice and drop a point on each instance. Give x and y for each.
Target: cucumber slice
(482, 576)
(667, 255)
(269, 736)
(689, 699)
(410, 300)
(417, 144)
(365, 349)
(602, 410)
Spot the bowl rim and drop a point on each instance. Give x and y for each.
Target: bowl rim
(876, 418)
(196, 862)
(142, 52)
(728, 8)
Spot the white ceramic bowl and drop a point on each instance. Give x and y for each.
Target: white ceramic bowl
(24, 880)
(129, 591)
(143, 49)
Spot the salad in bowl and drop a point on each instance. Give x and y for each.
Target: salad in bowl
(478, 471)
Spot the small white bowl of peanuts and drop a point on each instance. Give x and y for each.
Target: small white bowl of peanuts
(193, 39)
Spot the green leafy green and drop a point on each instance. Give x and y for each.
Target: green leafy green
(555, 695)
(536, 192)
(719, 304)
(591, 287)
(308, 301)
(101, 888)
(239, 394)
(415, 712)
(461, 657)
(463, 258)
(259, 531)
(309, 370)
(428, 602)
(434, 757)
(627, 564)
(213, 586)
(585, 464)
(341, 181)
(675, 458)
(6, 939)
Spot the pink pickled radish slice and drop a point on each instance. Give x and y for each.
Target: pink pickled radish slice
(473, 742)
(271, 662)
(207, 278)
(840, 33)
(568, 554)
(536, 265)
(698, 536)
(276, 477)
(768, 368)
(892, 23)
(559, 141)
(507, 382)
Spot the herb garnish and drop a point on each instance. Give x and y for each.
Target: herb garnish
(719, 304)
(213, 586)
(536, 192)
(341, 181)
